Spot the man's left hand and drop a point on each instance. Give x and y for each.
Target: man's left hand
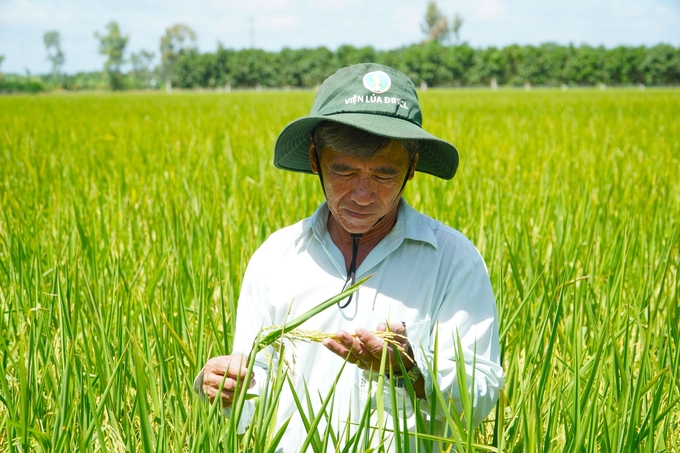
(366, 350)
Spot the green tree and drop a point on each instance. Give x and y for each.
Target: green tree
(142, 73)
(621, 65)
(458, 60)
(141, 61)
(456, 24)
(531, 66)
(436, 26)
(554, 58)
(348, 55)
(585, 66)
(191, 69)
(253, 67)
(425, 62)
(220, 65)
(488, 64)
(316, 65)
(177, 40)
(661, 65)
(112, 45)
(290, 73)
(52, 41)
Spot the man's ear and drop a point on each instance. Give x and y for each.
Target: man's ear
(412, 170)
(313, 157)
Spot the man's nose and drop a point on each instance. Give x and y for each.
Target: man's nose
(363, 192)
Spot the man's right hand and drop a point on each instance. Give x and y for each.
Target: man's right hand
(234, 367)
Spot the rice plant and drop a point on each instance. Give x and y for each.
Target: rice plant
(126, 223)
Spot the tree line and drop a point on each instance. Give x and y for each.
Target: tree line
(434, 64)
(437, 61)
(429, 63)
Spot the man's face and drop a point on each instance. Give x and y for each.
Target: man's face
(361, 191)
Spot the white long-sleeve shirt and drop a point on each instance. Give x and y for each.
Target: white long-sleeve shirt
(427, 275)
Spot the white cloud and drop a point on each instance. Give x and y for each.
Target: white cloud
(268, 6)
(21, 12)
(405, 16)
(338, 5)
(283, 22)
(489, 9)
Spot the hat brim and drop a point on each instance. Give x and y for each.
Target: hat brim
(436, 157)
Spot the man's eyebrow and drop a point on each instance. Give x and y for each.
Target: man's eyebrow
(388, 170)
(340, 167)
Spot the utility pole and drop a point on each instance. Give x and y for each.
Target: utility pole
(252, 31)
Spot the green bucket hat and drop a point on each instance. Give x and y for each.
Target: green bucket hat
(373, 98)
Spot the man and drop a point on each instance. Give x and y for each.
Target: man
(364, 140)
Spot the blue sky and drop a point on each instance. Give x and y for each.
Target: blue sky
(306, 23)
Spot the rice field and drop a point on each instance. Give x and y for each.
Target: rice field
(127, 220)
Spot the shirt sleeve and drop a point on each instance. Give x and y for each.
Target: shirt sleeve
(467, 314)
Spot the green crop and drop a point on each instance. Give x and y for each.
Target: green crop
(127, 221)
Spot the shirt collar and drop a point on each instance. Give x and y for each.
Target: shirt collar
(410, 225)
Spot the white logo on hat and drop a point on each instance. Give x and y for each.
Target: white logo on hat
(377, 81)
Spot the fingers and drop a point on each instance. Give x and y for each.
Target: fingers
(397, 327)
(343, 345)
(223, 375)
(366, 350)
(370, 342)
(350, 349)
(376, 345)
(226, 397)
(233, 366)
(211, 389)
(230, 384)
(400, 330)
